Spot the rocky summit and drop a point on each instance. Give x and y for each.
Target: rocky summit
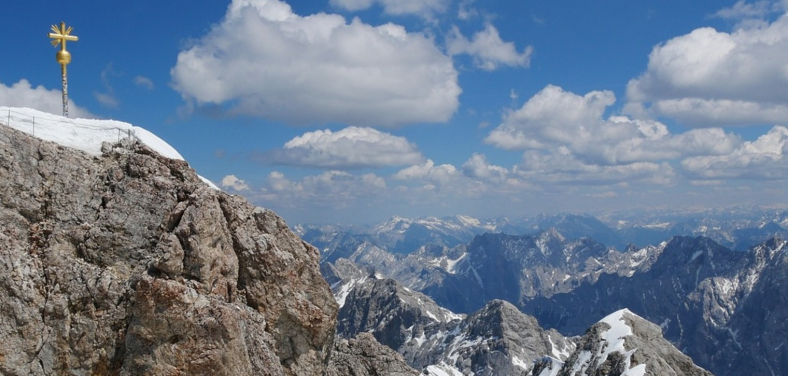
(622, 343)
(127, 263)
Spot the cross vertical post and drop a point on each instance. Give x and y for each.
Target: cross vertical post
(59, 36)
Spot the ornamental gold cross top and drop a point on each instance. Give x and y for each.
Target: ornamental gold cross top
(60, 36)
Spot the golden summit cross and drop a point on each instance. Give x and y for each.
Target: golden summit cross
(60, 36)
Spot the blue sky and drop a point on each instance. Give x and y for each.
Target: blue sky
(357, 110)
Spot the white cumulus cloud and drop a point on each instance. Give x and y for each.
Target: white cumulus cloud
(264, 60)
(488, 50)
(554, 119)
(764, 158)
(22, 94)
(349, 148)
(715, 78)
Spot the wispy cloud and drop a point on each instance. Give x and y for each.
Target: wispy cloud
(107, 98)
(143, 82)
(331, 188)
(465, 10)
(745, 10)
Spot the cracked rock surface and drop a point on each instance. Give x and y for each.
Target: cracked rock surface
(129, 264)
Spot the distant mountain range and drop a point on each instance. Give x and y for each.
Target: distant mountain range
(727, 309)
(498, 339)
(737, 229)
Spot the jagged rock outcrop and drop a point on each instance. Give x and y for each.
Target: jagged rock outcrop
(499, 340)
(622, 343)
(399, 318)
(364, 356)
(129, 264)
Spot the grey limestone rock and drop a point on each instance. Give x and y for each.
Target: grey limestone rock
(127, 263)
(364, 356)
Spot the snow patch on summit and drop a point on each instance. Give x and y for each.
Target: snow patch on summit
(85, 135)
(613, 339)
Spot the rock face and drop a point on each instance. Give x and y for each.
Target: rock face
(128, 264)
(363, 355)
(499, 340)
(399, 318)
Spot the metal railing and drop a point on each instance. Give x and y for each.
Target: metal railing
(27, 123)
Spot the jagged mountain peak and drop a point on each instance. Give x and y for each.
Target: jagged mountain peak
(622, 343)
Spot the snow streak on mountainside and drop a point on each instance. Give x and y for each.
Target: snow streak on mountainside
(497, 340)
(726, 309)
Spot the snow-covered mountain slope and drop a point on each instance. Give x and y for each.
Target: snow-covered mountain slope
(624, 344)
(86, 135)
(399, 235)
